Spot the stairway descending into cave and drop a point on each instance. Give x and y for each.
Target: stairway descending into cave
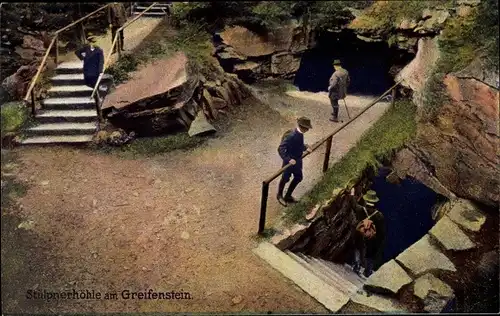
(68, 115)
(329, 283)
(161, 9)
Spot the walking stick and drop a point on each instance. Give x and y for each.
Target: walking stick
(348, 115)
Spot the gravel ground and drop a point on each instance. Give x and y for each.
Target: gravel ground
(184, 221)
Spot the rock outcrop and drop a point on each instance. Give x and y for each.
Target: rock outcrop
(382, 22)
(253, 56)
(462, 145)
(166, 96)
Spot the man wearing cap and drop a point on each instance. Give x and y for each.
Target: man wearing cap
(291, 149)
(337, 88)
(369, 235)
(93, 61)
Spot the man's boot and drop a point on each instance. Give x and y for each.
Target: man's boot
(281, 188)
(335, 117)
(288, 197)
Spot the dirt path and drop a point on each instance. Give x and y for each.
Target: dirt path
(184, 221)
(133, 36)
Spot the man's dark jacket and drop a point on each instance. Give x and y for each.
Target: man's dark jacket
(93, 62)
(374, 247)
(292, 147)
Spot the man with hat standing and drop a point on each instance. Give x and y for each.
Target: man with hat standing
(337, 88)
(117, 18)
(291, 149)
(93, 61)
(369, 235)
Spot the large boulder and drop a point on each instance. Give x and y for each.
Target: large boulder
(168, 95)
(16, 85)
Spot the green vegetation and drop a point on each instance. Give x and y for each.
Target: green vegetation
(14, 116)
(266, 15)
(152, 146)
(385, 137)
(463, 39)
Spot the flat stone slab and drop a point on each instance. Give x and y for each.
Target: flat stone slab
(450, 235)
(465, 214)
(327, 295)
(390, 277)
(378, 302)
(434, 292)
(422, 257)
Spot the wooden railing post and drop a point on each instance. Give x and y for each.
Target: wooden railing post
(119, 45)
(263, 206)
(327, 153)
(98, 106)
(57, 49)
(33, 109)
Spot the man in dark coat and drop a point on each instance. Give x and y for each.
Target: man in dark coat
(93, 61)
(117, 18)
(337, 88)
(291, 149)
(369, 234)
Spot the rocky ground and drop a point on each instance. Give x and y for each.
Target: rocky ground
(183, 221)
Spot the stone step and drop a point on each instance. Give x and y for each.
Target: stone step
(70, 91)
(329, 296)
(338, 274)
(70, 67)
(68, 103)
(151, 14)
(314, 268)
(44, 140)
(335, 279)
(68, 79)
(155, 8)
(346, 271)
(61, 129)
(61, 116)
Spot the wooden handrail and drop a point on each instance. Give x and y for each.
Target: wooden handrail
(47, 52)
(115, 39)
(81, 19)
(328, 139)
(44, 60)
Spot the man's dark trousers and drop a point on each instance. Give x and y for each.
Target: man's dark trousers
(291, 147)
(335, 105)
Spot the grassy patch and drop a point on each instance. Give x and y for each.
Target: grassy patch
(14, 116)
(387, 135)
(152, 146)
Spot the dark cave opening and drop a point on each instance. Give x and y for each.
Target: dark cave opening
(368, 63)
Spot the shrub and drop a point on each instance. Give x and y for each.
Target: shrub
(121, 69)
(14, 116)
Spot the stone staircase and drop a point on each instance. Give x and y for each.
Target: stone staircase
(330, 284)
(159, 10)
(333, 285)
(68, 115)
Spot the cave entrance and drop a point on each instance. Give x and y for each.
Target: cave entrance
(368, 63)
(407, 207)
